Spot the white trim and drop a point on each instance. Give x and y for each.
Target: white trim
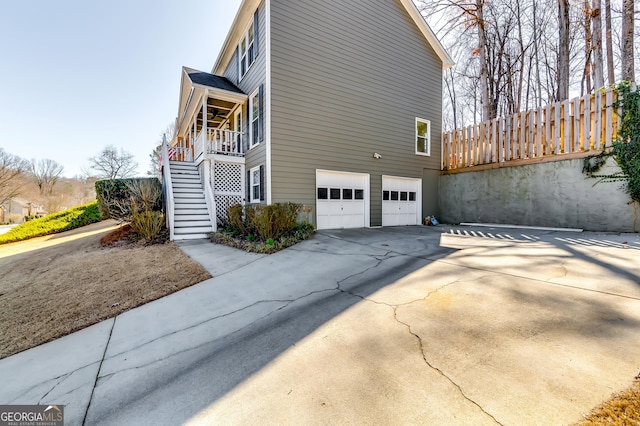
(428, 137)
(267, 101)
(245, 13)
(367, 193)
(418, 199)
(255, 94)
(251, 184)
(427, 32)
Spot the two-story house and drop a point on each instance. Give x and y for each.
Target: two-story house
(333, 104)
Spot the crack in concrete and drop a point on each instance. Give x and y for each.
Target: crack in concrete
(63, 378)
(95, 383)
(439, 371)
(287, 302)
(475, 268)
(422, 349)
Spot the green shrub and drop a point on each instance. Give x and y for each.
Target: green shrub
(54, 223)
(119, 198)
(235, 217)
(147, 224)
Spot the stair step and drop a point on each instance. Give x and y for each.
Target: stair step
(191, 223)
(185, 179)
(185, 172)
(181, 190)
(190, 236)
(192, 184)
(183, 217)
(191, 209)
(196, 195)
(193, 230)
(182, 163)
(190, 203)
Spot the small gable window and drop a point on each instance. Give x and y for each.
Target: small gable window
(423, 137)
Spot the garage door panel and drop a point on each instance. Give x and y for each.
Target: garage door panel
(341, 199)
(400, 201)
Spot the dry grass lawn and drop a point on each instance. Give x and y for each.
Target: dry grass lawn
(623, 409)
(54, 285)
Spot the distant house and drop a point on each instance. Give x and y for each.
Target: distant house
(15, 210)
(334, 105)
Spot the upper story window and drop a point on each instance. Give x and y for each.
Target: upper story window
(423, 137)
(247, 51)
(254, 118)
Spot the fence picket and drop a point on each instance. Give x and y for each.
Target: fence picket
(571, 126)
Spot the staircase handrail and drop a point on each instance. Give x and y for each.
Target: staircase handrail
(166, 177)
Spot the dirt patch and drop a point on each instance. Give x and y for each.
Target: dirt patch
(55, 285)
(622, 409)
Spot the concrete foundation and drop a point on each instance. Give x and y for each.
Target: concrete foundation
(555, 194)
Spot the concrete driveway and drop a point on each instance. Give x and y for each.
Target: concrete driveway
(412, 325)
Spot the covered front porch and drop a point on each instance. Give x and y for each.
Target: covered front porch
(210, 118)
(203, 167)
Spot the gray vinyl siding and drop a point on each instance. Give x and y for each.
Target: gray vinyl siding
(348, 80)
(255, 76)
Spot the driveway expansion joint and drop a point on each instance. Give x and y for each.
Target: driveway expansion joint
(95, 382)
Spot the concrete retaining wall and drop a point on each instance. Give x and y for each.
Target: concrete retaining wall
(554, 194)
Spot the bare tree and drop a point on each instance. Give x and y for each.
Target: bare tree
(12, 168)
(563, 50)
(46, 174)
(597, 58)
(155, 157)
(628, 10)
(611, 78)
(112, 164)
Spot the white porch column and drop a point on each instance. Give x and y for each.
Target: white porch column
(204, 120)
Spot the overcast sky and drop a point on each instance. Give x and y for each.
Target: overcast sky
(77, 75)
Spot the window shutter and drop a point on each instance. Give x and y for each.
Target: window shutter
(238, 62)
(261, 183)
(256, 36)
(261, 111)
(247, 196)
(246, 128)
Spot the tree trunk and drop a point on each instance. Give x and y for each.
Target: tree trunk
(611, 77)
(628, 7)
(537, 57)
(485, 97)
(586, 75)
(596, 58)
(563, 50)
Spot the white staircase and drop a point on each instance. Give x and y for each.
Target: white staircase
(191, 216)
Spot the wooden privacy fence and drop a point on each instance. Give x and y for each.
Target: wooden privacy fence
(571, 127)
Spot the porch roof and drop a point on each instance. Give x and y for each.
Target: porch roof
(198, 87)
(214, 81)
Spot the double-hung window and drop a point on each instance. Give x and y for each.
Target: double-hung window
(423, 137)
(254, 184)
(254, 118)
(246, 51)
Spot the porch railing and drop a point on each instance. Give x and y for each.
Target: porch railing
(221, 141)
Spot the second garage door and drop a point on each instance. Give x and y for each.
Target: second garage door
(342, 199)
(401, 201)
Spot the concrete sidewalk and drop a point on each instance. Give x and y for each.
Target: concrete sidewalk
(378, 326)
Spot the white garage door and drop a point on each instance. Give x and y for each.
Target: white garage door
(401, 203)
(342, 199)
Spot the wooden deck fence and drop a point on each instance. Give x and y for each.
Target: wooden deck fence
(569, 128)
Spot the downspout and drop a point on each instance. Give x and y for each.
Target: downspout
(168, 188)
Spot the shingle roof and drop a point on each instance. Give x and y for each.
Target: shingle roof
(214, 81)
